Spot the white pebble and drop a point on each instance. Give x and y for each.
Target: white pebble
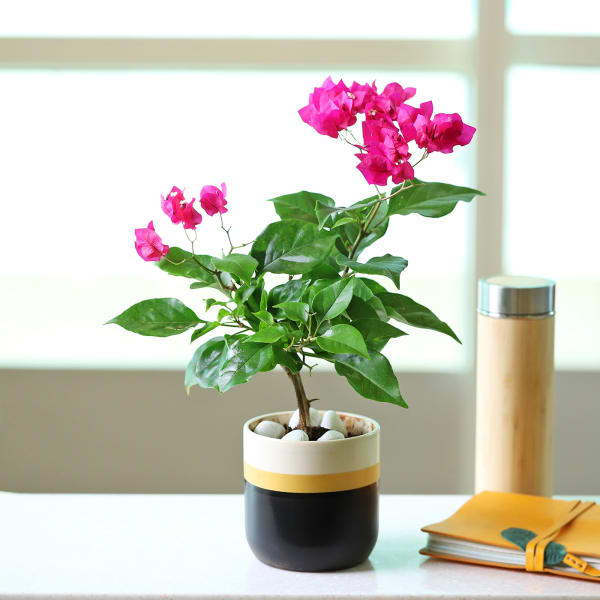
(330, 435)
(270, 429)
(331, 420)
(296, 435)
(314, 418)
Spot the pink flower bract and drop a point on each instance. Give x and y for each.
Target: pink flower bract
(443, 132)
(212, 199)
(330, 108)
(148, 243)
(180, 211)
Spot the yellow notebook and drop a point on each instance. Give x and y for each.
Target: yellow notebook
(474, 534)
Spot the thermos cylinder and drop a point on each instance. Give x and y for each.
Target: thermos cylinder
(515, 385)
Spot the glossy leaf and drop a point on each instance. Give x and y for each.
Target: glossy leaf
(241, 265)
(375, 287)
(159, 317)
(359, 309)
(290, 291)
(351, 230)
(245, 359)
(181, 263)
(206, 328)
(363, 291)
(377, 333)
(343, 221)
(204, 368)
(292, 247)
(325, 214)
(429, 199)
(406, 310)
(268, 335)
(296, 311)
(264, 317)
(287, 359)
(333, 299)
(386, 265)
(301, 205)
(343, 339)
(371, 377)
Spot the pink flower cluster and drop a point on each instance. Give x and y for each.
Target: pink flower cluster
(390, 124)
(212, 199)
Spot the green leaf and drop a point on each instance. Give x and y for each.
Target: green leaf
(404, 309)
(371, 377)
(359, 309)
(325, 213)
(429, 199)
(204, 368)
(287, 359)
(181, 263)
(296, 311)
(386, 265)
(224, 312)
(290, 291)
(210, 302)
(206, 328)
(245, 359)
(328, 269)
(268, 335)
(376, 333)
(301, 205)
(159, 317)
(264, 316)
(363, 291)
(292, 247)
(333, 299)
(375, 287)
(351, 230)
(343, 339)
(241, 265)
(343, 221)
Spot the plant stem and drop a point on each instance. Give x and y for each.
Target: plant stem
(364, 227)
(301, 398)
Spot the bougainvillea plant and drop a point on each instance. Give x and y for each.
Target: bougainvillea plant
(325, 305)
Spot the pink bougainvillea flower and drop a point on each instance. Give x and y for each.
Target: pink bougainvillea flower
(386, 153)
(402, 172)
(330, 108)
(148, 243)
(382, 137)
(379, 107)
(443, 132)
(376, 168)
(397, 94)
(212, 199)
(361, 95)
(180, 211)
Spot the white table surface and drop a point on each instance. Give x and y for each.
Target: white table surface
(193, 546)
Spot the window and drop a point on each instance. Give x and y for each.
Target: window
(104, 114)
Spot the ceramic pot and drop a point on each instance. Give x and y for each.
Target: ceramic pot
(312, 506)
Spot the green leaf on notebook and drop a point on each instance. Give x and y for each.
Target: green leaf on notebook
(554, 553)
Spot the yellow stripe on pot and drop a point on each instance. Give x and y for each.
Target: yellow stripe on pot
(311, 484)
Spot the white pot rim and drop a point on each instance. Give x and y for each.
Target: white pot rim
(374, 431)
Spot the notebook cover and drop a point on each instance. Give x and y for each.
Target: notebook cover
(487, 514)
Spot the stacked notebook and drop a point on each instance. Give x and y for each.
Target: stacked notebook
(517, 531)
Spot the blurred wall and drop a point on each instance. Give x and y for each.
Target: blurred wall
(107, 431)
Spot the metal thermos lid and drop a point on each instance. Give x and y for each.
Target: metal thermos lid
(515, 296)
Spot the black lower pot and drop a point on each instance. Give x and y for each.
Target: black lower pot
(312, 506)
(312, 532)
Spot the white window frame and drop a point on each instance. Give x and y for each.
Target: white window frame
(484, 59)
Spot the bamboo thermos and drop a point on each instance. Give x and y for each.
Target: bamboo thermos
(515, 385)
